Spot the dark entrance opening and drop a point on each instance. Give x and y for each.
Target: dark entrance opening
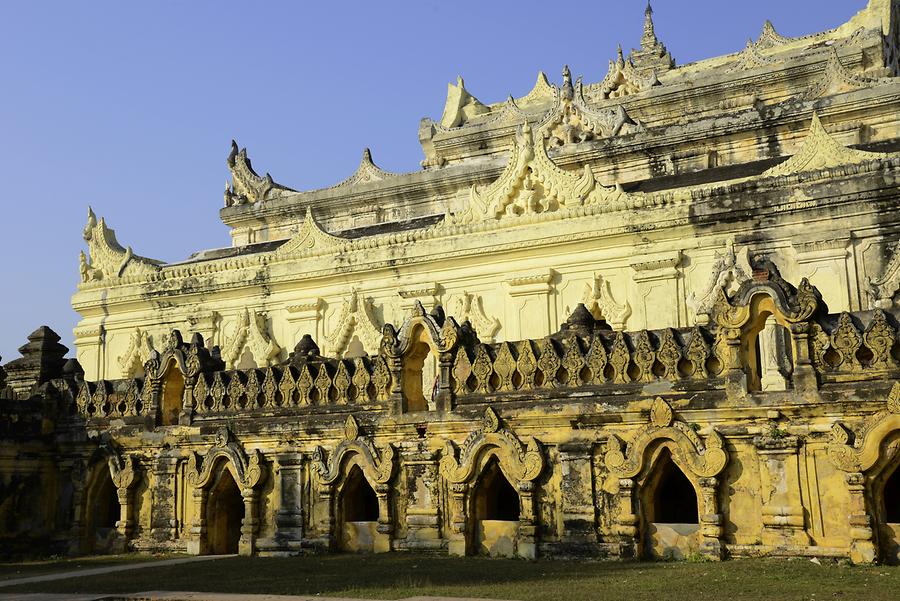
(892, 498)
(224, 514)
(496, 499)
(359, 502)
(674, 500)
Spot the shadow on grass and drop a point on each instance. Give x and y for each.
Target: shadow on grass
(395, 576)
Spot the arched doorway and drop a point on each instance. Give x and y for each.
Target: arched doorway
(419, 377)
(103, 511)
(670, 511)
(496, 510)
(890, 526)
(224, 515)
(171, 396)
(357, 521)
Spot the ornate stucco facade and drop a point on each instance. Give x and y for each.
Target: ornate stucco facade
(653, 315)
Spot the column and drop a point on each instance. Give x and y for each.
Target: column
(196, 544)
(862, 549)
(710, 519)
(657, 284)
(163, 520)
(627, 520)
(289, 519)
(804, 374)
(526, 541)
(457, 530)
(305, 317)
(385, 528)
(250, 523)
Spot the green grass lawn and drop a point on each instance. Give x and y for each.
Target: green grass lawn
(25, 569)
(395, 576)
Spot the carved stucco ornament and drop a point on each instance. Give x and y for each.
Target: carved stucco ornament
(705, 458)
(794, 305)
(366, 172)
(622, 79)
(123, 469)
(461, 106)
(247, 186)
(837, 79)
(519, 462)
(881, 291)
(821, 151)
(138, 352)
(572, 121)
(251, 333)
(310, 240)
(598, 298)
(531, 184)
(248, 469)
(107, 259)
(867, 450)
(469, 307)
(377, 463)
(542, 92)
(728, 274)
(356, 318)
(750, 58)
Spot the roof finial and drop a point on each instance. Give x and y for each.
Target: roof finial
(649, 38)
(567, 89)
(620, 57)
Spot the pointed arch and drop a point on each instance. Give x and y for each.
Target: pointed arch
(520, 464)
(701, 461)
(872, 463)
(334, 473)
(204, 472)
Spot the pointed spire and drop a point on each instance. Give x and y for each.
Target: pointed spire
(648, 40)
(652, 55)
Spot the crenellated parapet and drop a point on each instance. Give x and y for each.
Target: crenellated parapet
(765, 334)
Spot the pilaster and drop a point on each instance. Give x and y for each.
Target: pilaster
(532, 311)
(577, 494)
(782, 509)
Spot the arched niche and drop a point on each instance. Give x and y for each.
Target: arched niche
(356, 511)
(670, 508)
(488, 449)
(171, 400)
(102, 512)
(205, 472)
(495, 508)
(224, 513)
(421, 356)
(418, 374)
(107, 504)
(337, 476)
(743, 317)
(172, 374)
(640, 466)
(760, 341)
(871, 461)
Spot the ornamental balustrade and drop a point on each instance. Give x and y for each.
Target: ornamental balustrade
(585, 354)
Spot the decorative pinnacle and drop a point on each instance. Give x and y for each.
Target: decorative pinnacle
(649, 37)
(567, 89)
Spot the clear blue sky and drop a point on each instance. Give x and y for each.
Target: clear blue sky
(130, 106)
